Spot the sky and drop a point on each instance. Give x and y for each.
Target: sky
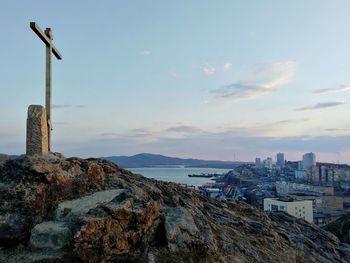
(228, 80)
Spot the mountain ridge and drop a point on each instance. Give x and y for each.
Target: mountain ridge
(142, 160)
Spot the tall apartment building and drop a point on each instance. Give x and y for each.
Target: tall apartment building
(258, 163)
(268, 163)
(309, 160)
(280, 160)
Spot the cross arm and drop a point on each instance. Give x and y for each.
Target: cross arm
(45, 39)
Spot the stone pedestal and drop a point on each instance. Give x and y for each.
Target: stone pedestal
(37, 130)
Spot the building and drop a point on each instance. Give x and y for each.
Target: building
(288, 188)
(300, 175)
(314, 174)
(300, 165)
(257, 163)
(340, 175)
(324, 218)
(329, 174)
(309, 160)
(298, 209)
(323, 204)
(268, 163)
(280, 160)
(329, 203)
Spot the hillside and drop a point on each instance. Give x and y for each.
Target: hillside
(55, 209)
(340, 228)
(151, 160)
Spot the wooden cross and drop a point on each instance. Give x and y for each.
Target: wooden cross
(47, 38)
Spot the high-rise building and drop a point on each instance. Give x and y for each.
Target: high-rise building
(268, 163)
(300, 165)
(309, 160)
(258, 163)
(280, 160)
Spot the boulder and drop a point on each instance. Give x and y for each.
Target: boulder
(77, 209)
(180, 229)
(50, 235)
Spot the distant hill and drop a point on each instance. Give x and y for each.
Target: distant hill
(153, 160)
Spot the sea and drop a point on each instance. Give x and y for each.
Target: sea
(178, 174)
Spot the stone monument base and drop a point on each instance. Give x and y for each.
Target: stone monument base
(37, 130)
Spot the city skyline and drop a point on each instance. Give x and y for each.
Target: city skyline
(179, 80)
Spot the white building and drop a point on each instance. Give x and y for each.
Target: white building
(309, 160)
(299, 209)
(280, 160)
(268, 163)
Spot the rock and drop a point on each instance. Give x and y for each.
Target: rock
(77, 209)
(14, 228)
(150, 258)
(56, 209)
(3, 158)
(34, 256)
(180, 229)
(52, 157)
(37, 130)
(50, 235)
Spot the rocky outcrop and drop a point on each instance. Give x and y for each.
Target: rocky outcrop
(73, 210)
(3, 158)
(340, 228)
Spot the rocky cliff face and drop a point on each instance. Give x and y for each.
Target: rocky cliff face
(73, 210)
(340, 228)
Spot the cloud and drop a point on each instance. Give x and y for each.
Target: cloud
(227, 67)
(108, 134)
(140, 130)
(262, 80)
(63, 106)
(288, 121)
(141, 133)
(321, 105)
(208, 70)
(246, 142)
(184, 129)
(145, 52)
(341, 88)
(60, 123)
(336, 129)
(174, 74)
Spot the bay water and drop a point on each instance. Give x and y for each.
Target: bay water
(178, 174)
